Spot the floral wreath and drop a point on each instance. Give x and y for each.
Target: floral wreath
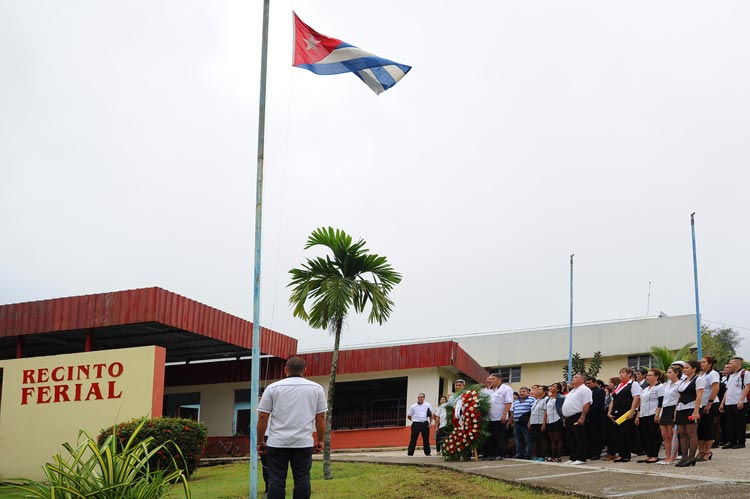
(469, 422)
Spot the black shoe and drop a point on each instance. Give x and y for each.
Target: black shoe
(727, 446)
(685, 464)
(595, 458)
(737, 446)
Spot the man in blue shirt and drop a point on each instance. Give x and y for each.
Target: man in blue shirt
(521, 411)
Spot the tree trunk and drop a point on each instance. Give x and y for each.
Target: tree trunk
(327, 472)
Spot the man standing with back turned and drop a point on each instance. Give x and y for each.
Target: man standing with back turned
(298, 406)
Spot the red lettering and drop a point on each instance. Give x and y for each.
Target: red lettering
(82, 370)
(99, 368)
(42, 395)
(42, 375)
(111, 391)
(28, 376)
(77, 396)
(115, 369)
(70, 373)
(26, 392)
(94, 392)
(61, 393)
(55, 376)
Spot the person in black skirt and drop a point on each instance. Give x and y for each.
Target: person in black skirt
(709, 408)
(688, 413)
(666, 416)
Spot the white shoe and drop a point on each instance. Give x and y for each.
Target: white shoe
(663, 462)
(578, 462)
(569, 461)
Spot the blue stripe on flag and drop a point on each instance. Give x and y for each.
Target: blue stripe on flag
(384, 77)
(352, 65)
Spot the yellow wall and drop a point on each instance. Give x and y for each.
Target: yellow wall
(130, 385)
(544, 373)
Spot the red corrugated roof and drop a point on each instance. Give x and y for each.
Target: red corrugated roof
(412, 356)
(147, 305)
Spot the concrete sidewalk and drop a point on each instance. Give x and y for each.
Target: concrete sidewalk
(726, 474)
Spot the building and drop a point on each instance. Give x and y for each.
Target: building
(161, 353)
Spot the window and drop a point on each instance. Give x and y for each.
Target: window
(511, 374)
(636, 361)
(183, 405)
(373, 403)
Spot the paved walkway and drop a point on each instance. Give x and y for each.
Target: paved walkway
(727, 474)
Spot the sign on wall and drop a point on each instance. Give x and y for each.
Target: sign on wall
(46, 401)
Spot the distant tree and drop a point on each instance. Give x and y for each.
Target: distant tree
(663, 357)
(579, 365)
(721, 343)
(352, 280)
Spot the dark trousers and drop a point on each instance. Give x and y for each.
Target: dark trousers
(539, 439)
(595, 435)
(650, 435)
(279, 459)
(625, 437)
(735, 424)
(522, 436)
(416, 430)
(577, 434)
(496, 442)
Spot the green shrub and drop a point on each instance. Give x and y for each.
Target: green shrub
(110, 470)
(187, 435)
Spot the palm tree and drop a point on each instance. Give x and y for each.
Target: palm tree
(353, 278)
(664, 357)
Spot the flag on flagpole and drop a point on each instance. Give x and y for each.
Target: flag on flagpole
(324, 55)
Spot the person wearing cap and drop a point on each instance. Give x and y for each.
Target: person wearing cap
(681, 365)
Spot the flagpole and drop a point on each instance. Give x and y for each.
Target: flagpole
(570, 334)
(695, 280)
(255, 366)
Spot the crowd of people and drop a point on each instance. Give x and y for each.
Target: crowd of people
(690, 409)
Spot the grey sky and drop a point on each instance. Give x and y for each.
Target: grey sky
(525, 131)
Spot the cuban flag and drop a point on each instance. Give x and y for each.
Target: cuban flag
(324, 55)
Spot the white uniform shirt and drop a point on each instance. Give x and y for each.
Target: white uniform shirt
(552, 415)
(442, 414)
(575, 400)
(293, 402)
(734, 387)
(418, 412)
(650, 400)
(671, 395)
(682, 386)
(500, 396)
(708, 380)
(537, 411)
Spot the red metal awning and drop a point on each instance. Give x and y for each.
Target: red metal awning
(189, 330)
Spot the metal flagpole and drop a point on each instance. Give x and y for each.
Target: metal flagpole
(255, 367)
(570, 335)
(695, 279)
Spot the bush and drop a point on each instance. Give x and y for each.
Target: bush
(187, 435)
(109, 470)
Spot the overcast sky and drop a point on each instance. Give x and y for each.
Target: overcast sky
(526, 131)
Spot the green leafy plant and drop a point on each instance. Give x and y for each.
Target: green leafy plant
(110, 470)
(579, 365)
(188, 435)
(663, 357)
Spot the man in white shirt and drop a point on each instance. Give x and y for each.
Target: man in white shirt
(738, 385)
(575, 409)
(420, 415)
(298, 406)
(501, 398)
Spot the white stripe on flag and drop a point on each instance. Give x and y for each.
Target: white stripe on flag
(394, 71)
(369, 78)
(345, 54)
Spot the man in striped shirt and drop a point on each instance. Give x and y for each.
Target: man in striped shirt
(521, 410)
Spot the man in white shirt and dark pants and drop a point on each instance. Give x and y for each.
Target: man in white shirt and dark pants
(420, 415)
(575, 409)
(501, 398)
(733, 404)
(298, 406)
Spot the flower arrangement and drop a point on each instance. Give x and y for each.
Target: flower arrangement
(469, 419)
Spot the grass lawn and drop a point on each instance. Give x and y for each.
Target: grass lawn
(358, 481)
